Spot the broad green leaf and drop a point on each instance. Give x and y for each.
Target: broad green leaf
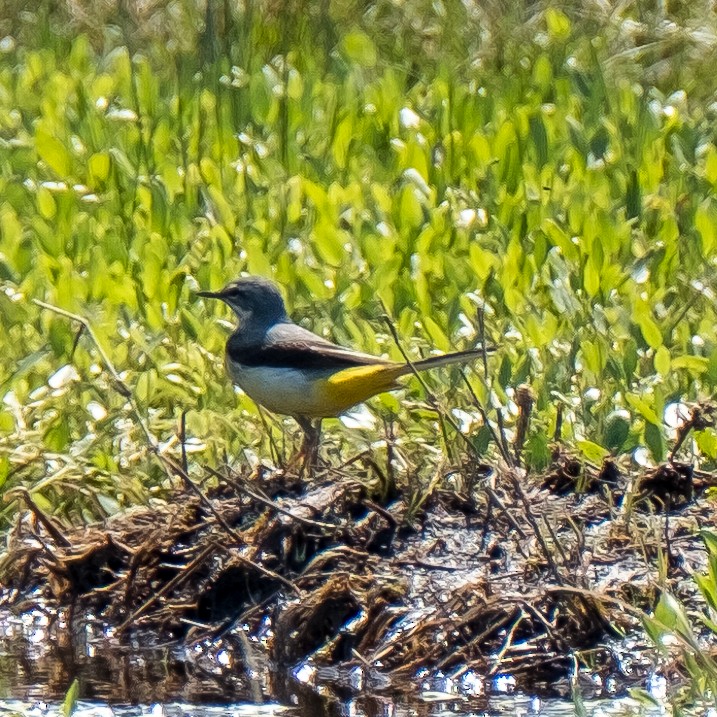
(655, 441)
(46, 203)
(410, 208)
(507, 150)
(537, 451)
(592, 451)
(558, 23)
(360, 48)
(616, 432)
(98, 167)
(670, 613)
(707, 443)
(595, 354)
(709, 538)
(436, 334)
(711, 165)
(543, 78)
(481, 439)
(643, 408)
(705, 220)
(695, 364)
(506, 371)
(591, 278)
(650, 331)
(661, 361)
(57, 437)
(329, 243)
(5, 468)
(191, 326)
(342, 141)
(7, 422)
(53, 152)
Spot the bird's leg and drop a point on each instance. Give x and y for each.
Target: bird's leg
(309, 453)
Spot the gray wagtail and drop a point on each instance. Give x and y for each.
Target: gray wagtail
(292, 371)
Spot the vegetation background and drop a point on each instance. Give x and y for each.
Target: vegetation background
(548, 168)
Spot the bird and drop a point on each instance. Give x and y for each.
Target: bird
(292, 371)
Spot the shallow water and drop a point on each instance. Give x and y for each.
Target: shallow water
(514, 705)
(40, 657)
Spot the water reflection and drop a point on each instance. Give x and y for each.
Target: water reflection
(514, 706)
(40, 657)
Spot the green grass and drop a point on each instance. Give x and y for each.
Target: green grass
(553, 166)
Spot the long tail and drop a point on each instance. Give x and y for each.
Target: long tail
(445, 360)
(355, 384)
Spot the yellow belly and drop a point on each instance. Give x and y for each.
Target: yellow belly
(314, 394)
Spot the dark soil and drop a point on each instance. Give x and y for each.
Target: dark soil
(523, 575)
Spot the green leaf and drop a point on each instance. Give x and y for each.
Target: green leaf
(706, 443)
(577, 136)
(709, 538)
(708, 589)
(655, 441)
(436, 334)
(543, 78)
(359, 48)
(52, 152)
(505, 372)
(69, 704)
(616, 432)
(5, 468)
(329, 243)
(629, 358)
(540, 139)
(537, 451)
(7, 422)
(633, 196)
(650, 331)
(410, 208)
(661, 361)
(57, 437)
(191, 326)
(595, 354)
(61, 337)
(342, 142)
(98, 167)
(507, 151)
(705, 223)
(481, 439)
(643, 697)
(643, 408)
(591, 279)
(711, 165)
(109, 504)
(558, 24)
(592, 451)
(694, 364)
(670, 613)
(46, 203)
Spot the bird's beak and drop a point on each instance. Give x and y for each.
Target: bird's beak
(210, 294)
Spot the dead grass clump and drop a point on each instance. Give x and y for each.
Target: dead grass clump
(512, 578)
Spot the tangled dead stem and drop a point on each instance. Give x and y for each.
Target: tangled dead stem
(521, 575)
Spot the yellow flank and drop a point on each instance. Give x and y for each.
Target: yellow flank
(346, 388)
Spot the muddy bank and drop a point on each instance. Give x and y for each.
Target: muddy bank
(342, 579)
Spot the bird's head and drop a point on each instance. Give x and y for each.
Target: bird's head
(255, 301)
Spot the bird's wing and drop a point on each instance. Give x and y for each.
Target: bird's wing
(291, 346)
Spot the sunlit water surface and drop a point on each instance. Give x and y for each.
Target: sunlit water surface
(40, 658)
(513, 705)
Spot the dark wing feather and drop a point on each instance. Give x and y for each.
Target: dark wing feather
(291, 346)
